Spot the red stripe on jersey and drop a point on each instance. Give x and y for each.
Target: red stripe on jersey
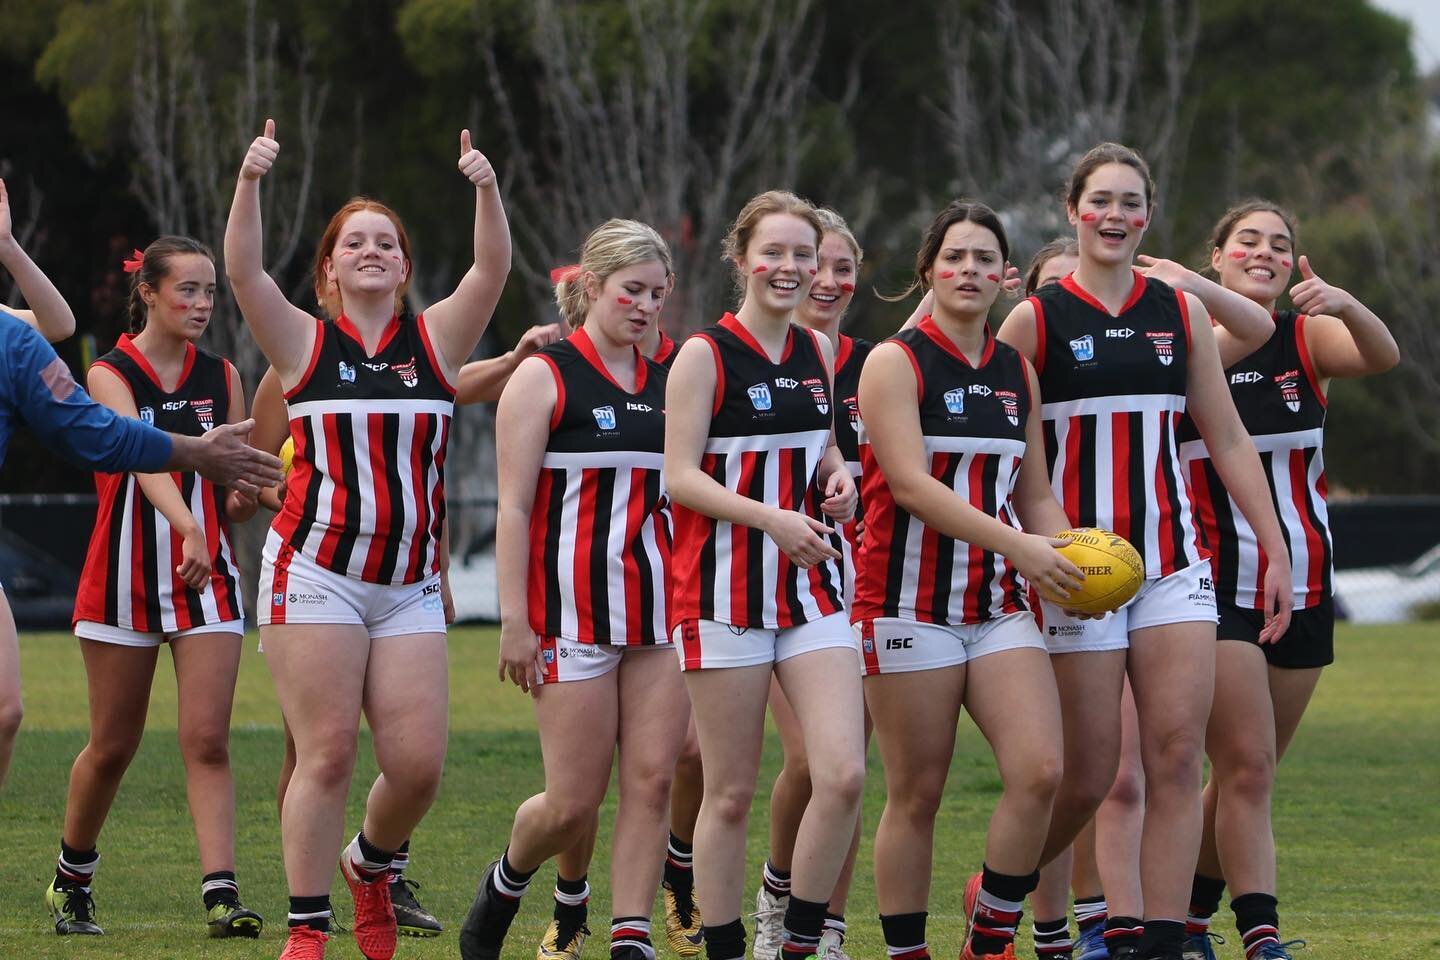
(375, 556)
(1205, 511)
(539, 529)
(928, 574)
(431, 353)
(1184, 306)
(975, 559)
(559, 410)
(914, 365)
(1314, 542)
(314, 360)
(690, 644)
(585, 517)
(335, 523)
(1164, 532)
(178, 605)
(784, 463)
(1306, 362)
(417, 486)
(1120, 467)
(1039, 334)
(1070, 479)
(552, 662)
(635, 516)
(719, 373)
(740, 573)
(279, 584)
(137, 555)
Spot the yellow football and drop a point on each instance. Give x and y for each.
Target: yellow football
(287, 456)
(1113, 570)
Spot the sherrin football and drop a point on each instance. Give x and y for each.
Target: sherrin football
(287, 456)
(1113, 570)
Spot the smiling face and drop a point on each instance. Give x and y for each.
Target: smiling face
(834, 285)
(1257, 258)
(966, 274)
(1111, 214)
(779, 263)
(367, 258)
(627, 303)
(181, 302)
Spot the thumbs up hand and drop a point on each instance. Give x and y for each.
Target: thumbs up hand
(1315, 297)
(261, 155)
(473, 164)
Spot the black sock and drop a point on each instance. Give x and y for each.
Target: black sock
(509, 882)
(776, 881)
(76, 866)
(1090, 911)
(1163, 939)
(1205, 895)
(803, 921)
(571, 899)
(680, 865)
(726, 941)
(312, 912)
(905, 936)
(1122, 932)
(219, 887)
(1257, 917)
(400, 861)
(998, 909)
(1052, 939)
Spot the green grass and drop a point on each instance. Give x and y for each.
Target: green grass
(1355, 814)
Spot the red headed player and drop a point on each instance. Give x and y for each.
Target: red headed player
(160, 569)
(351, 611)
(583, 557)
(751, 463)
(1119, 363)
(1263, 683)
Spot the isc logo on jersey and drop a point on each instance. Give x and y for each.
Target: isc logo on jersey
(955, 400)
(170, 406)
(604, 417)
(760, 396)
(1083, 348)
(1246, 376)
(1121, 333)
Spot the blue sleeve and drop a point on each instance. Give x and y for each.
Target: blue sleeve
(39, 389)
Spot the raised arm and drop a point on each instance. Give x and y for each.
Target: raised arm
(522, 430)
(1244, 325)
(1233, 453)
(285, 333)
(1344, 337)
(456, 323)
(891, 416)
(48, 313)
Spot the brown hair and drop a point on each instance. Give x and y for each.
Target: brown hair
(614, 245)
(327, 295)
(1059, 247)
(1232, 217)
(1097, 157)
(154, 267)
(957, 211)
(737, 240)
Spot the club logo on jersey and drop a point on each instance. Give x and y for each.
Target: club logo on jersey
(408, 376)
(1011, 402)
(852, 409)
(759, 396)
(869, 644)
(1083, 348)
(1164, 344)
(277, 599)
(955, 400)
(147, 415)
(819, 394)
(204, 412)
(1290, 393)
(347, 372)
(604, 417)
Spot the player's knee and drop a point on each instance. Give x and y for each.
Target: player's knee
(328, 766)
(206, 747)
(688, 765)
(731, 804)
(110, 756)
(842, 781)
(918, 797)
(1128, 789)
(1175, 758)
(1247, 774)
(571, 815)
(11, 713)
(1038, 778)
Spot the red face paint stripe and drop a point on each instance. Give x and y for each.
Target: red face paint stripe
(993, 277)
(760, 269)
(1238, 254)
(847, 288)
(624, 301)
(1089, 217)
(947, 274)
(1285, 264)
(1138, 221)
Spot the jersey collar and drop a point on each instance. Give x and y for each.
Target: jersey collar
(732, 323)
(586, 347)
(932, 330)
(343, 324)
(1137, 290)
(126, 345)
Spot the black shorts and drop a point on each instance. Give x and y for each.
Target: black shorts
(1310, 641)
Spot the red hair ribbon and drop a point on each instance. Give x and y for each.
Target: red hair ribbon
(563, 274)
(136, 261)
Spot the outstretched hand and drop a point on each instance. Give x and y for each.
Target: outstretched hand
(261, 155)
(473, 164)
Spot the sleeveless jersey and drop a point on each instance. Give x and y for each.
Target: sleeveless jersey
(849, 360)
(1279, 400)
(1113, 395)
(770, 427)
(665, 353)
(366, 497)
(129, 577)
(973, 422)
(600, 525)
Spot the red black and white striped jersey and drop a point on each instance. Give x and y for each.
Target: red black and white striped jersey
(770, 427)
(129, 578)
(1280, 402)
(665, 353)
(1113, 394)
(973, 421)
(849, 360)
(366, 496)
(600, 525)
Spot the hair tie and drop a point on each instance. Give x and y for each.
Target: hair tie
(565, 274)
(136, 261)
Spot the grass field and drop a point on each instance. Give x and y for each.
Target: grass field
(1356, 815)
